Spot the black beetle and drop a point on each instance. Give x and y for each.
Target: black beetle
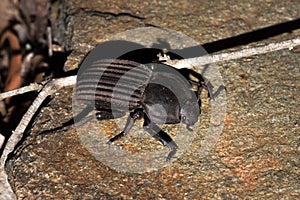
(155, 92)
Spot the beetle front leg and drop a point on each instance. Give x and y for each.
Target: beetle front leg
(136, 114)
(161, 136)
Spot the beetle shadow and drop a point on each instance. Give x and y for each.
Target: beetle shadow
(249, 37)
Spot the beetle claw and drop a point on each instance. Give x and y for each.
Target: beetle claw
(111, 140)
(173, 147)
(171, 154)
(189, 128)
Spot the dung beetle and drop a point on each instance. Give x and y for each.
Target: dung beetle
(155, 92)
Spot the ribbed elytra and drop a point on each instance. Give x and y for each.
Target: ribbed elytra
(113, 83)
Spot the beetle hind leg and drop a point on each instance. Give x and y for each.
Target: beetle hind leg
(160, 135)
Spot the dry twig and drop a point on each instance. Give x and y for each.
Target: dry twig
(22, 90)
(208, 59)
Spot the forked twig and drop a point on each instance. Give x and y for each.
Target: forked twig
(49, 89)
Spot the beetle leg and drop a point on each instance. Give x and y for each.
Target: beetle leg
(136, 114)
(161, 136)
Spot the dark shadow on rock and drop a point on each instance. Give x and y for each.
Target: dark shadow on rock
(253, 36)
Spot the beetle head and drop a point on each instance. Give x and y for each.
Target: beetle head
(189, 113)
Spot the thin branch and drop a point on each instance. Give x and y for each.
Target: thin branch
(22, 90)
(207, 59)
(187, 63)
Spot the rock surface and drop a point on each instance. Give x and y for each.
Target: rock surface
(257, 154)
